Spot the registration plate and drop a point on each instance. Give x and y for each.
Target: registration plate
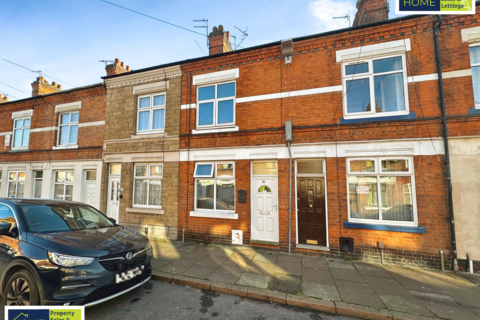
(130, 274)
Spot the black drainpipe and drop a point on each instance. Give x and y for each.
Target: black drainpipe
(445, 141)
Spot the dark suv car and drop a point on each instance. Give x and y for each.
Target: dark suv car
(67, 253)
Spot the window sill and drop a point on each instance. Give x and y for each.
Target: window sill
(143, 135)
(215, 130)
(312, 247)
(72, 146)
(145, 210)
(411, 115)
(381, 227)
(216, 215)
(19, 150)
(474, 110)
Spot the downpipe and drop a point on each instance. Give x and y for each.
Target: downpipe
(445, 141)
(290, 201)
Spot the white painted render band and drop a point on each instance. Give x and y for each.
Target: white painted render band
(375, 148)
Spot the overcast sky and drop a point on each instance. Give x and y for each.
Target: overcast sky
(66, 38)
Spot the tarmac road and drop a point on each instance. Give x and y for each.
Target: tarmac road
(160, 300)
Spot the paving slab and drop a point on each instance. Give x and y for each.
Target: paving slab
(408, 316)
(314, 263)
(240, 260)
(225, 276)
(264, 256)
(200, 272)
(444, 306)
(187, 248)
(347, 275)
(317, 276)
(254, 280)
(267, 295)
(321, 291)
(246, 252)
(358, 293)
(158, 264)
(260, 268)
(234, 266)
(288, 283)
(395, 297)
(375, 270)
(289, 267)
(212, 261)
(196, 254)
(168, 255)
(223, 252)
(289, 258)
(474, 278)
(169, 268)
(337, 263)
(207, 248)
(183, 262)
(412, 280)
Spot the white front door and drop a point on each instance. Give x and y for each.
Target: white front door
(113, 203)
(90, 192)
(265, 209)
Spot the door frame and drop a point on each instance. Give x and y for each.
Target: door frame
(252, 190)
(310, 175)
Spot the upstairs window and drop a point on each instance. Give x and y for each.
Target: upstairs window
(376, 87)
(475, 63)
(21, 133)
(151, 113)
(216, 105)
(68, 129)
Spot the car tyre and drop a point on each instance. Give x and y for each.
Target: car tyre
(21, 290)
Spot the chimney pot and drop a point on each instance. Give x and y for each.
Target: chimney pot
(0, 96)
(218, 41)
(59, 86)
(117, 61)
(41, 79)
(128, 68)
(214, 30)
(5, 98)
(122, 64)
(220, 28)
(54, 84)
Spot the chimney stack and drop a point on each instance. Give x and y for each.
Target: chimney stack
(41, 86)
(116, 68)
(371, 11)
(219, 41)
(3, 99)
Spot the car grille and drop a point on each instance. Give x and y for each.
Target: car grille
(118, 262)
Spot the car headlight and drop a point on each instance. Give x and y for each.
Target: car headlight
(69, 261)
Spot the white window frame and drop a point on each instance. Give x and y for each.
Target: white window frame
(195, 175)
(370, 76)
(23, 128)
(378, 173)
(60, 125)
(148, 178)
(151, 109)
(215, 101)
(65, 183)
(477, 106)
(16, 182)
(215, 178)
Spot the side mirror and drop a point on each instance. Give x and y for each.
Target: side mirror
(5, 228)
(113, 220)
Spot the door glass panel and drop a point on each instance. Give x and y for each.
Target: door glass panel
(92, 175)
(115, 168)
(264, 168)
(264, 189)
(38, 189)
(314, 167)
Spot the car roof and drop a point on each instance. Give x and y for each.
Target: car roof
(16, 201)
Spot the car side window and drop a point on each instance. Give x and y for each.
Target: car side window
(6, 215)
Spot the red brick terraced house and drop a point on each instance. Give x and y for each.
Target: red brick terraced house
(52, 143)
(367, 146)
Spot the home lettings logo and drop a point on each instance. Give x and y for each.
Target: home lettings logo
(432, 6)
(25, 316)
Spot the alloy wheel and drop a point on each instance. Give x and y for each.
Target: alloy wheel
(18, 293)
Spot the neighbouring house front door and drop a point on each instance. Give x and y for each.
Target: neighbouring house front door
(265, 209)
(90, 192)
(113, 200)
(312, 227)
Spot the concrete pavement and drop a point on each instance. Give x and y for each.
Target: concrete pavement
(369, 291)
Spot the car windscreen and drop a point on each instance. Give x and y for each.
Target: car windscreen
(46, 218)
